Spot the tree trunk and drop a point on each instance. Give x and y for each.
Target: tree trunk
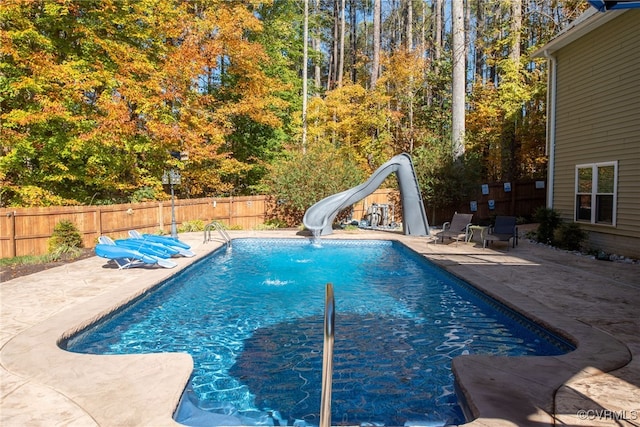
(375, 63)
(305, 59)
(333, 61)
(458, 83)
(496, 21)
(316, 46)
(516, 28)
(467, 32)
(409, 27)
(437, 33)
(514, 56)
(343, 25)
(423, 30)
(354, 41)
(479, 45)
(409, 44)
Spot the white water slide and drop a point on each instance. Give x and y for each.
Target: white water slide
(319, 217)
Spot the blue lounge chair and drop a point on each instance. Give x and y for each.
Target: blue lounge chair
(148, 248)
(123, 257)
(122, 252)
(182, 248)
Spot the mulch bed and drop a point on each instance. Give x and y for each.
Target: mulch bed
(19, 270)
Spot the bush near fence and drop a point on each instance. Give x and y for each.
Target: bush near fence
(26, 231)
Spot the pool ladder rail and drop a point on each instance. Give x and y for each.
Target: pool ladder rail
(216, 225)
(327, 356)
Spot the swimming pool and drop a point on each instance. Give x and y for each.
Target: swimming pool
(252, 319)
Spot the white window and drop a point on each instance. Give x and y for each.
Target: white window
(596, 193)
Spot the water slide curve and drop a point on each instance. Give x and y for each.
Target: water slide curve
(319, 217)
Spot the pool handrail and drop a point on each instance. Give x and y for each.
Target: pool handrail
(220, 228)
(327, 357)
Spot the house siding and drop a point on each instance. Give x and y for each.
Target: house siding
(598, 120)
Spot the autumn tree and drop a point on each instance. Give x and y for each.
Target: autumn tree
(95, 97)
(68, 85)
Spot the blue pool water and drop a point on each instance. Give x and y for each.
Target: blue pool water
(252, 318)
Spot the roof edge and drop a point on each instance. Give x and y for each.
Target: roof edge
(587, 22)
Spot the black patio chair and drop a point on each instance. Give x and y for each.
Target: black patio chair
(505, 229)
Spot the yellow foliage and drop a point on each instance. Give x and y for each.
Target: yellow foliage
(354, 121)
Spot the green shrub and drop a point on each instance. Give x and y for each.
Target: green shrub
(275, 223)
(569, 236)
(265, 226)
(350, 227)
(194, 225)
(548, 220)
(272, 224)
(66, 240)
(301, 179)
(446, 182)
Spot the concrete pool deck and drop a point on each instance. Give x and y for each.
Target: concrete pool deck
(596, 303)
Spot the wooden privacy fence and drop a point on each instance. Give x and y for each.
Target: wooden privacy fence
(519, 199)
(26, 231)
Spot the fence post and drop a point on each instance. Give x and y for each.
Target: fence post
(161, 216)
(12, 234)
(98, 226)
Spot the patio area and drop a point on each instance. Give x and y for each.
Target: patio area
(594, 302)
